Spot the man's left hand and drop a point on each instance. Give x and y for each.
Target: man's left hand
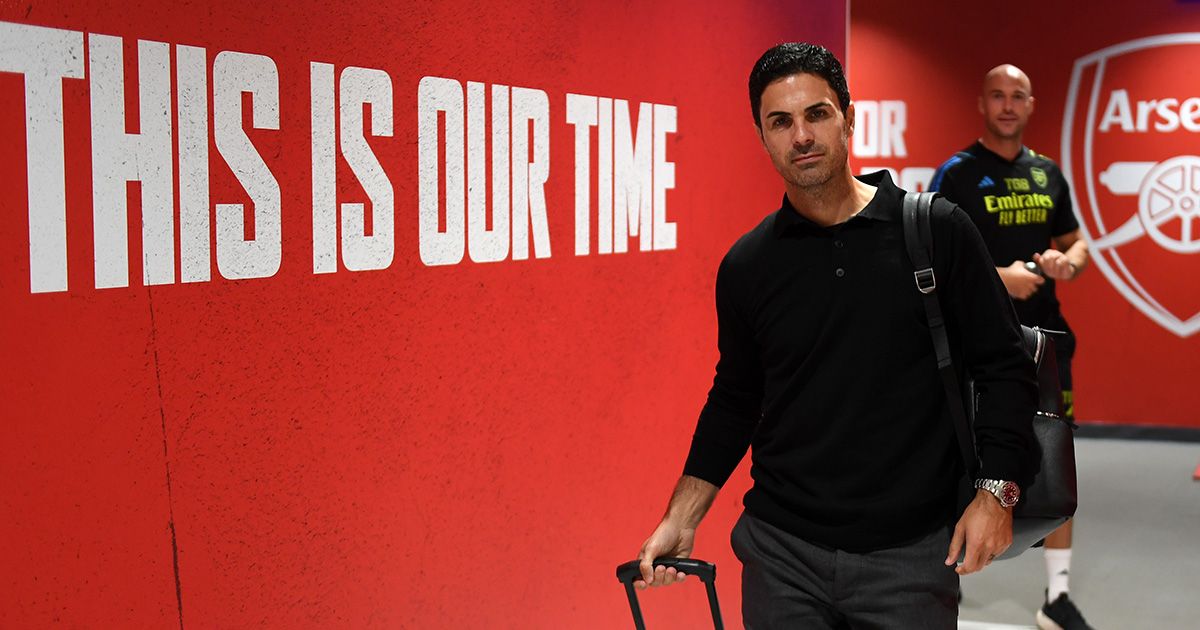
(1055, 264)
(986, 530)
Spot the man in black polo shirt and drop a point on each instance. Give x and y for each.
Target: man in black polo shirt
(828, 372)
(1021, 204)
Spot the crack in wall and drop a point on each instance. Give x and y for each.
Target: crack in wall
(162, 415)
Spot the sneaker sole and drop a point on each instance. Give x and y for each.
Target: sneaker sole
(1046, 623)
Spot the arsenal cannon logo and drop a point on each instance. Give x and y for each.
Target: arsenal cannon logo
(1131, 149)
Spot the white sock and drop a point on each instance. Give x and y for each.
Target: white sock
(1058, 570)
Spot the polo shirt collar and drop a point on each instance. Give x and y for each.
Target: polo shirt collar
(881, 208)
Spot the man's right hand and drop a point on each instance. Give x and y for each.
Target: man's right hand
(1019, 281)
(676, 533)
(668, 541)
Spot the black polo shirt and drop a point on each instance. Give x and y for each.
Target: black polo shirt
(827, 369)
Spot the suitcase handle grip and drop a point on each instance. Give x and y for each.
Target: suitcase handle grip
(707, 572)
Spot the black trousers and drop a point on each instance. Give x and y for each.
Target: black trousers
(788, 583)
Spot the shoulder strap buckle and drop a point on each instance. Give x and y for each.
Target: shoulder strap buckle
(926, 281)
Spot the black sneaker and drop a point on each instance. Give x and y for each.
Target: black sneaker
(1061, 614)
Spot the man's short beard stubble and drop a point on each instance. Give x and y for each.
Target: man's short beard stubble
(818, 175)
(812, 175)
(999, 133)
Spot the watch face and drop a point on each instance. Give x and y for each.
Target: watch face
(1009, 493)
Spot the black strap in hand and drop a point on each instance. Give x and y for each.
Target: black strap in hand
(918, 239)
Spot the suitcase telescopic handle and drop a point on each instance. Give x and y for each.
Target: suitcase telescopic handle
(631, 571)
(706, 571)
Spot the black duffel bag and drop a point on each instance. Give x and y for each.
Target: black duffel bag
(1051, 499)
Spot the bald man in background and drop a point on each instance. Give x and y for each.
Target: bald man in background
(1021, 204)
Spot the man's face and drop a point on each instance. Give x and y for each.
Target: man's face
(1006, 104)
(803, 130)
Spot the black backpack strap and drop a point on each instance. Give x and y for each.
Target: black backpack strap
(918, 239)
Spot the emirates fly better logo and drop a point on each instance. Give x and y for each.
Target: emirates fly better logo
(1131, 139)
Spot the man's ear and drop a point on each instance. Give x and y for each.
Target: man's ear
(851, 118)
(1031, 104)
(982, 109)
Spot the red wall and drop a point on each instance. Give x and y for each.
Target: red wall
(214, 424)
(1137, 310)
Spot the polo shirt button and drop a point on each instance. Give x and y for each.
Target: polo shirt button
(839, 243)
(840, 272)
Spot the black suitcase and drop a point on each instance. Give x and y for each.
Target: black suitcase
(707, 572)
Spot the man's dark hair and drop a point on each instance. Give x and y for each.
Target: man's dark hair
(794, 58)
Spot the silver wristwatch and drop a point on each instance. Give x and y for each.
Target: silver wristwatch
(1007, 492)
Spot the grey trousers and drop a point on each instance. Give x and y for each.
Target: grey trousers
(788, 583)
